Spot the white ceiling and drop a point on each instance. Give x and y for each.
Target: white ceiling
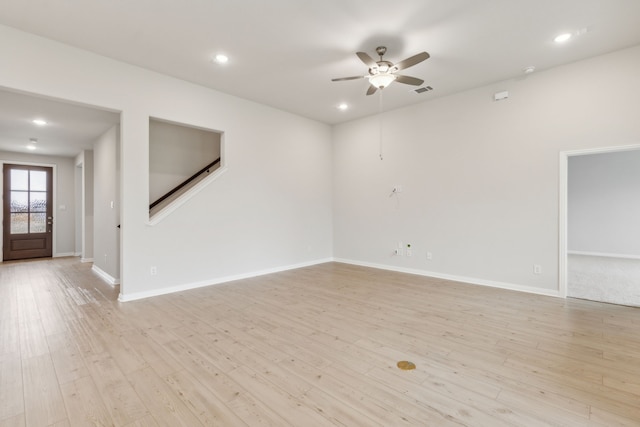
(284, 53)
(70, 128)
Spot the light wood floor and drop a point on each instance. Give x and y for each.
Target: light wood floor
(312, 347)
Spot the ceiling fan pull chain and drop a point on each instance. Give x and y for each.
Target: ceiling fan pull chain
(380, 121)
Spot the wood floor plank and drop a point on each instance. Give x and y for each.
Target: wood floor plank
(147, 421)
(67, 358)
(283, 408)
(12, 390)
(204, 404)
(165, 406)
(120, 399)
(84, 404)
(463, 411)
(610, 419)
(42, 398)
(16, 421)
(205, 369)
(336, 411)
(33, 341)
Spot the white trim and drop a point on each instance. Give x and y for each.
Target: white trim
(63, 254)
(105, 276)
(184, 197)
(606, 255)
(563, 179)
(187, 286)
(86, 259)
(563, 211)
(454, 278)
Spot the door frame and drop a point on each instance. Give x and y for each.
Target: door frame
(563, 206)
(53, 166)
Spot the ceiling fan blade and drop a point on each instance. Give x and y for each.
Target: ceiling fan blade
(364, 57)
(409, 80)
(347, 78)
(410, 62)
(372, 89)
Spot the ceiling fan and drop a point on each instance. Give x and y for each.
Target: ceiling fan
(382, 73)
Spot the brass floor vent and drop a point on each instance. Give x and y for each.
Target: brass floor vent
(406, 365)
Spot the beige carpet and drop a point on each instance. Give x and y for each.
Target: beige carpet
(606, 279)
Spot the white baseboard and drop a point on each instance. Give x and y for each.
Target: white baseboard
(186, 286)
(105, 276)
(77, 253)
(602, 254)
(63, 254)
(86, 259)
(463, 279)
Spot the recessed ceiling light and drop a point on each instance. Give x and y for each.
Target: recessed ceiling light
(561, 38)
(343, 106)
(31, 147)
(33, 140)
(39, 122)
(221, 59)
(528, 70)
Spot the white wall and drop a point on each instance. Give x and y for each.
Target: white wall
(64, 197)
(176, 152)
(270, 210)
(480, 178)
(604, 203)
(106, 204)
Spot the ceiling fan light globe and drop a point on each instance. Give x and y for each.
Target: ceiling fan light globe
(381, 80)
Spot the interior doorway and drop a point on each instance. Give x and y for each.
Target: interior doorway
(600, 225)
(28, 211)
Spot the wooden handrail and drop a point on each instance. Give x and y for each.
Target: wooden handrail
(184, 183)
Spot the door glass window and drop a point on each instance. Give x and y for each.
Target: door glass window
(19, 223)
(38, 222)
(28, 207)
(19, 179)
(19, 201)
(37, 180)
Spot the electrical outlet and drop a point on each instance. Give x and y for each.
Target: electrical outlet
(409, 252)
(429, 256)
(537, 269)
(153, 270)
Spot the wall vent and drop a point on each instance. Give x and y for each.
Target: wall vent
(423, 89)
